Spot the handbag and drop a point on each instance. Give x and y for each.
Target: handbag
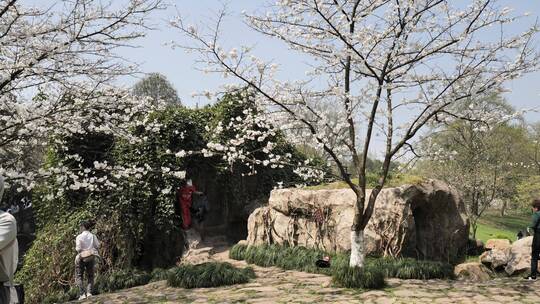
(87, 256)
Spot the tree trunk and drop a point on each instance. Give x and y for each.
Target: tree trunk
(474, 205)
(503, 208)
(474, 228)
(358, 252)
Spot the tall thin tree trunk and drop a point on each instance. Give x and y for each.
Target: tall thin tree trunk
(474, 207)
(503, 208)
(474, 226)
(358, 252)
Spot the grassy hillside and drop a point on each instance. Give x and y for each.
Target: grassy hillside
(492, 225)
(394, 181)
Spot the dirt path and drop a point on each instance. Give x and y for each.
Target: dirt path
(274, 285)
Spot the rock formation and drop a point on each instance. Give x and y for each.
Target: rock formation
(425, 221)
(473, 271)
(520, 256)
(513, 258)
(496, 258)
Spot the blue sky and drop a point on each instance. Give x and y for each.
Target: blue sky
(179, 67)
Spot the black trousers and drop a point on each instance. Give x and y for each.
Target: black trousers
(535, 254)
(87, 267)
(4, 294)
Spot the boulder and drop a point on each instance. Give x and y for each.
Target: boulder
(520, 256)
(197, 256)
(495, 258)
(497, 244)
(474, 271)
(425, 221)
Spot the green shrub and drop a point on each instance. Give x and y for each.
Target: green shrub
(368, 277)
(56, 297)
(298, 258)
(159, 274)
(238, 252)
(408, 268)
(303, 259)
(121, 279)
(211, 274)
(49, 264)
(135, 221)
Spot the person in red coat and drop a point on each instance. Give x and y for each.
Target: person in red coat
(185, 194)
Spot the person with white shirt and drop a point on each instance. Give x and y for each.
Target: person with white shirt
(86, 245)
(9, 252)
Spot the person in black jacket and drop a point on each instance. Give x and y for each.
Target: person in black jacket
(534, 229)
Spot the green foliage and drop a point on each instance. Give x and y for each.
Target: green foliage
(372, 180)
(303, 259)
(238, 252)
(49, 264)
(298, 258)
(365, 278)
(107, 282)
(405, 179)
(121, 279)
(211, 274)
(408, 268)
(527, 190)
(136, 221)
(157, 87)
(61, 297)
(484, 162)
(159, 274)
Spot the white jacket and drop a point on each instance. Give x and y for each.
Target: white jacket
(9, 248)
(87, 241)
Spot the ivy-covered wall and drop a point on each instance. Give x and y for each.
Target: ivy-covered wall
(136, 221)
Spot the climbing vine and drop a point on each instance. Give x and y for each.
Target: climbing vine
(128, 187)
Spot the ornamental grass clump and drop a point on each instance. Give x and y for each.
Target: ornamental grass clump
(300, 258)
(408, 268)
(121, 279)
(368, 277)
(160, 274)
(297, 258)
(238, 252)
(211, 274)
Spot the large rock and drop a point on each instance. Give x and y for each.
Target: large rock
(497, 244)
(496, 258)
(520, 256)
(474, 271)
(423, 221)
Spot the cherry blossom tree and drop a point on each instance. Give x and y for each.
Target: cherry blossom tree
(57, 67)
(389, 67)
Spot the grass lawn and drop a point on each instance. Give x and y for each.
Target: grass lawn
(491, 225)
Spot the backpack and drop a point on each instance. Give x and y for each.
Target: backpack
(200, 207)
